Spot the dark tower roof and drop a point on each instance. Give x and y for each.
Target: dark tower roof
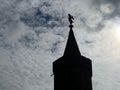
(72, 48)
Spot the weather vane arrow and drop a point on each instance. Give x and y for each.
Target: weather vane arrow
(70, 18)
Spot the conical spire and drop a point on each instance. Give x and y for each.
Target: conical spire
(71, 46)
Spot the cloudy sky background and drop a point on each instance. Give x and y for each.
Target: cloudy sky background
(33, 34)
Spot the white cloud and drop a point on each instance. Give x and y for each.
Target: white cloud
(107, 8)
(37, 40)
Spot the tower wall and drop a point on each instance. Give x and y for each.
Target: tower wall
(72, 75)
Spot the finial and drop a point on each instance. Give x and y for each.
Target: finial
(70, 18)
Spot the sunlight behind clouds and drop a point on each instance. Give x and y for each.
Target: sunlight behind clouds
(113, 27)
(117, 31)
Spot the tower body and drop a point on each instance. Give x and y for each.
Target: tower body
(72, 71)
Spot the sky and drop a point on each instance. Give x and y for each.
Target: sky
(33, 34)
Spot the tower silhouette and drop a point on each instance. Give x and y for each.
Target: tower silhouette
(72, 71)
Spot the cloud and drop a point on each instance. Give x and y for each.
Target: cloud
(107, 1)
(107, 8)
(33, 34)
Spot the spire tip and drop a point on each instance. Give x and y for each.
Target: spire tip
(70, 18)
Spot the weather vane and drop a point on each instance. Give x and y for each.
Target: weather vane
(70, 18)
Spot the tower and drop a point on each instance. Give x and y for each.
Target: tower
(72, 71)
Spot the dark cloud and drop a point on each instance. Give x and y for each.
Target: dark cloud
(35, 18)
(88, 42)
(98, 2)
(98, 26)
(115, 3)
(29, 40)
(109, 10)
(54, 47)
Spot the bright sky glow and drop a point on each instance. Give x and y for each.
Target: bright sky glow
(117, 31)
